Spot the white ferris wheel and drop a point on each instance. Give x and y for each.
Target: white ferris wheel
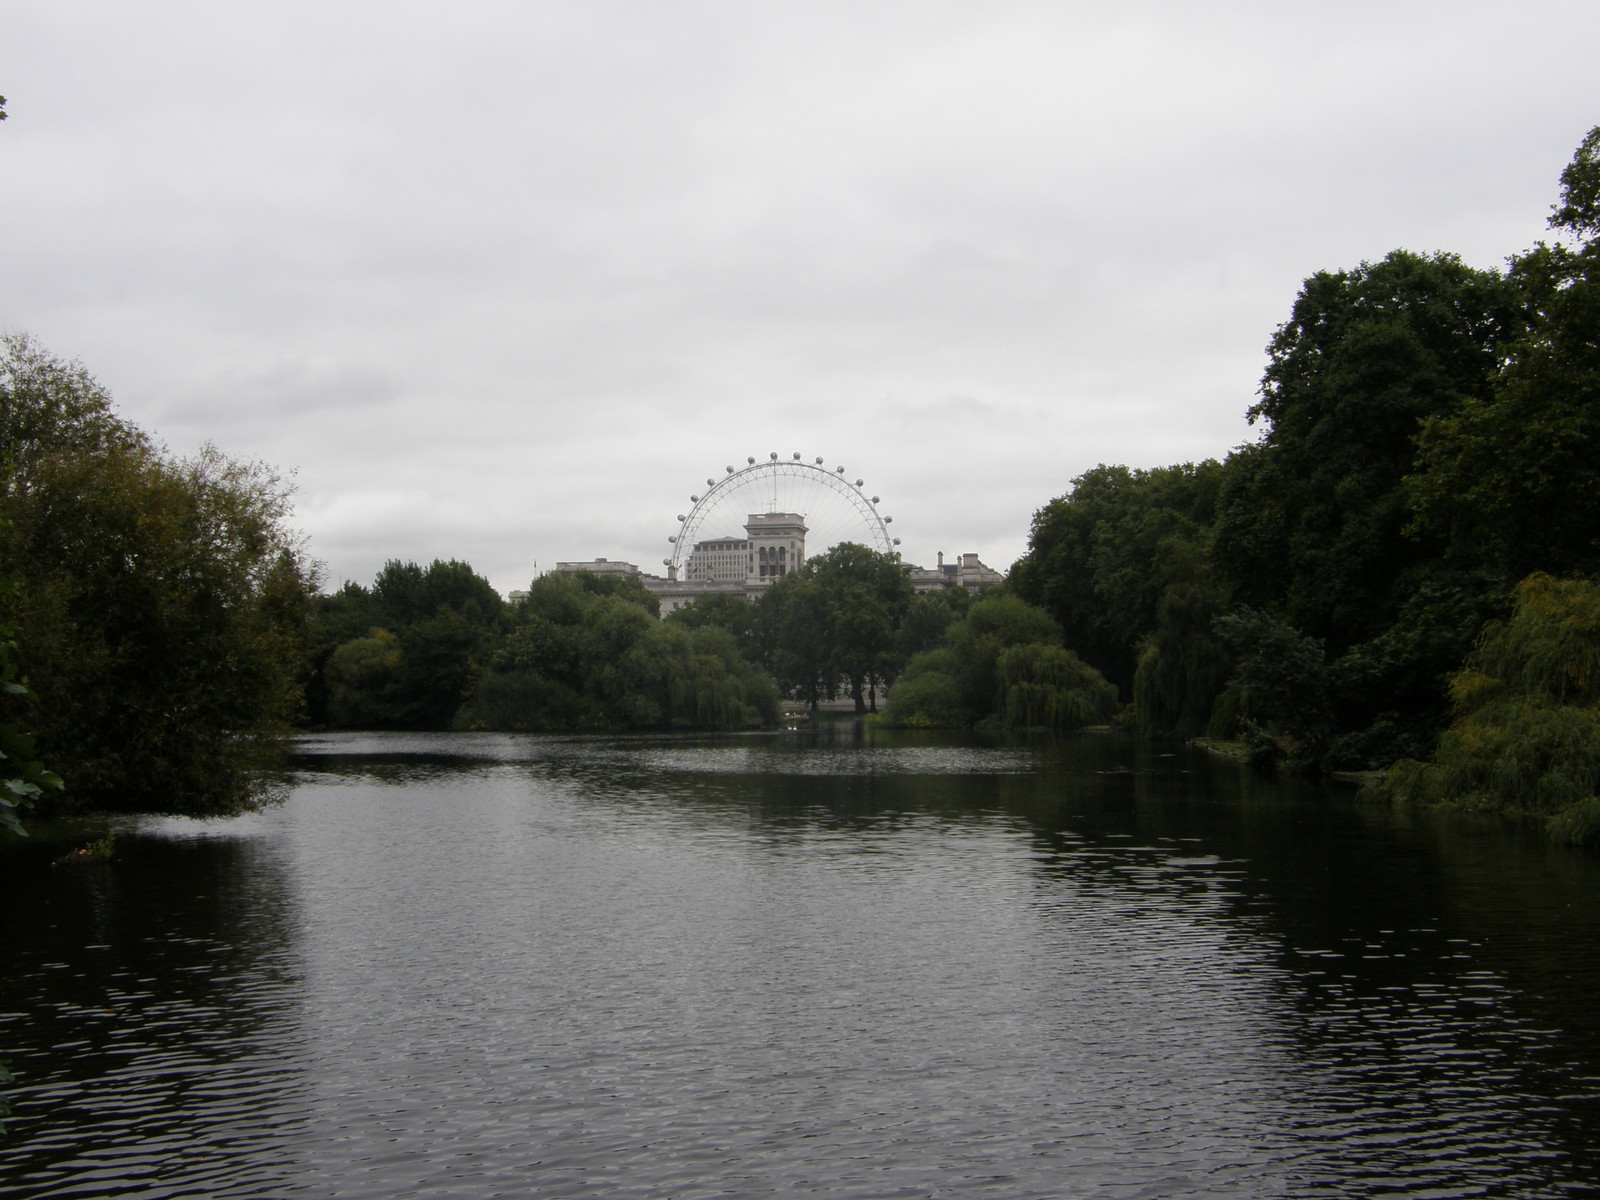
(835, 507)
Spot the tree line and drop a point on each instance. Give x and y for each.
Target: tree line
(162, 630)
(437, 648)
(1401, 567)
(434, 648)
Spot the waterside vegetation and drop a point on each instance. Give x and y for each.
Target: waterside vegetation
(1397, 575)
(158, 606)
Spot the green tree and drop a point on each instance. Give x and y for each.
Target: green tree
(834, 622)
(928, 694)
(23, 778)
(1281, 677)
(1313, 522)
(438, 663)
(795, 635)
(559, 597)
(993, 625)
(867, 594)
(362, 680)
(436, 624)
(1526, 733)
(610, 630)
(162, 603)
(927, 619)
(588, 652)
(1184, 668)
(1511, 476)
(734, 613)
(1391, 693)
(406, 593)
(523, 701)
(346, 615)
(1002, 664)
(1049, 687)
(1100, 558)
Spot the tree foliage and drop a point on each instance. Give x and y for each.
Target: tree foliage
(23, 778)
(1281, 677)
(1512, 478)
(1050, 687)
(162, 603)
(1430, 433)
(588, 652)
(1100, 558)
(405, 653)
(1526, 734)
(835, 624)
(735, 614)
(1184, 667)
(1001, 665)
(1314, 520)
(794, 633)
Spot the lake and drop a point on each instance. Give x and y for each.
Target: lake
(842, 962)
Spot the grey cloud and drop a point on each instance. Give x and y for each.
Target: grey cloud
(504, 282)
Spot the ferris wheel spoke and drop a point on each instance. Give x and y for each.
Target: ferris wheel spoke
(833, 506)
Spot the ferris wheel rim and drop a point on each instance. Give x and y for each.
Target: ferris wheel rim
(875, 525)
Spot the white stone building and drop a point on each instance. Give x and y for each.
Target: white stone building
(774, 545)
(968, 571)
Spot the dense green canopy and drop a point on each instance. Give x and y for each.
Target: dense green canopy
(160, 604)
(1430, 434)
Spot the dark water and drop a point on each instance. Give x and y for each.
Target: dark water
(786, 965)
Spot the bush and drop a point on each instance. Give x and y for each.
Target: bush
(519, 701)
(1577, 824)
(926, 698)
(1526, 736)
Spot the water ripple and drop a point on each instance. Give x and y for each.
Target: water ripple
(636, 968)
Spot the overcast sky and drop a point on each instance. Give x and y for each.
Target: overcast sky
(507, 282)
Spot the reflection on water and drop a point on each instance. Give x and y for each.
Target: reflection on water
(834, 962)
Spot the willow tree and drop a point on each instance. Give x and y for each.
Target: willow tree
(1049, 687)
(585, 654)
(1001, 665)
(1526, 734)
(1183, 667)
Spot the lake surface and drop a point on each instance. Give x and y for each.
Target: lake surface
(842, 963)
